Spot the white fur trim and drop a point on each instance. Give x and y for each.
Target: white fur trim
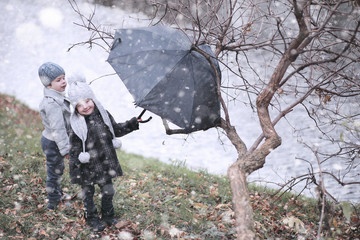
(117, 143)
(84, 157)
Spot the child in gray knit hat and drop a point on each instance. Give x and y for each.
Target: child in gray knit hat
(55, 113)
(93, 158)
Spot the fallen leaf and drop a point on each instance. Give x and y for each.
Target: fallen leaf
(221, 205)
(294, 222)
(199, 205)
(122, 224)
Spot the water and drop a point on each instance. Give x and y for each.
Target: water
(33, 32)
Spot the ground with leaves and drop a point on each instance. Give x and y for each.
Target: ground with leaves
(153, 200)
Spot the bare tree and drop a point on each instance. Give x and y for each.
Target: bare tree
(310, 50)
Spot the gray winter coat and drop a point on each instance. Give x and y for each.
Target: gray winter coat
(103, 164)
(55, 114)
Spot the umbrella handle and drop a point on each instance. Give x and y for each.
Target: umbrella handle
(142, 113)
(143, 121)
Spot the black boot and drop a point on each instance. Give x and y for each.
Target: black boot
(109, 218)
(107, 210)
(93, 220)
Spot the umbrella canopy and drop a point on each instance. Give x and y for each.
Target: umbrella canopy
(167, 77)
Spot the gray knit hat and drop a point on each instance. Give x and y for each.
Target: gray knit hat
(49, 71)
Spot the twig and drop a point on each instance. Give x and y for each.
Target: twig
(322, 195)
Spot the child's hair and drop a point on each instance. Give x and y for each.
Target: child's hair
(49, 71)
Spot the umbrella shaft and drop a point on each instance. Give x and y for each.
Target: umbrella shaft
(142, 113)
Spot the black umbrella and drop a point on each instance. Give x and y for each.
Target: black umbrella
(166, 76)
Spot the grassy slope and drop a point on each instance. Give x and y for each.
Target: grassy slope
(153, 200)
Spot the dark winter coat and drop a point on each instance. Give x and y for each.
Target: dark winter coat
(104, 163)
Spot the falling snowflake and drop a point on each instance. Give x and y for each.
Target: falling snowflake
(51, 17)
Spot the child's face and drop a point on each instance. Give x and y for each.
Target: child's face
(59, 84)
(85, 107)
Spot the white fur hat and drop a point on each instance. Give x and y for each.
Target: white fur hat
(80, 90)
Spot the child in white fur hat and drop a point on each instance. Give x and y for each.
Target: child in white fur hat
(93, 158)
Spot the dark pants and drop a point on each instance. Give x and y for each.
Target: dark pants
(55, 169)
(107, 192)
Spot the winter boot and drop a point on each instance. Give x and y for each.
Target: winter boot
(53, 204)
(109, 219)
(107, 210)
(93, 220)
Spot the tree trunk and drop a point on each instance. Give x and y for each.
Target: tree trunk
(241, 202)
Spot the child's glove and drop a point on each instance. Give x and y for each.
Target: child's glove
(84, 157)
